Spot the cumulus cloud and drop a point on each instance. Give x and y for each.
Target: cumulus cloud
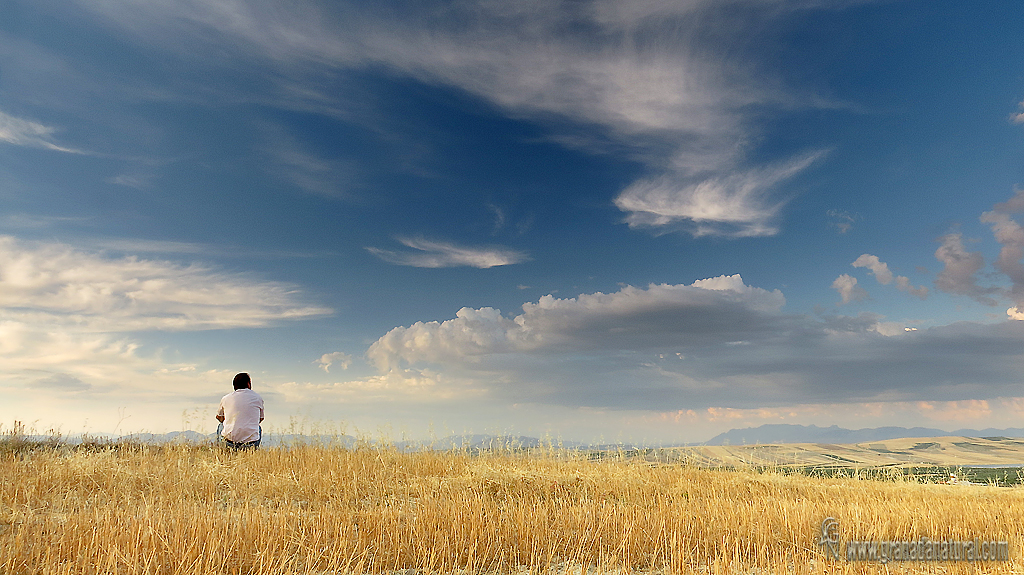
(1010, 236)
(1018, 117)
(633, 317)
(959, 274)
(712, 343)
(328, 359)
(878, 268)
(21, 132)
(650, 79)
(848, 289)
(961, 267)
(881, 271)
(56, 285)
(903, 284)
(432, 254)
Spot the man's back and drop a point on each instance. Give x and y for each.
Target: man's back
(243, 411)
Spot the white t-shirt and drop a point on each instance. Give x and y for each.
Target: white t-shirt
(242, 410)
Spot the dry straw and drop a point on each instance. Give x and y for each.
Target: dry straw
(308, 509)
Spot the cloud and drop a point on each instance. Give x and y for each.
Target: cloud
(713, 343)
(960, 268)
(842, 220)
(137, 181)
(880, 270)
(736, 204)
(61, 382)
(679, 86)
(1018, 117)
(958, 411)
(68, 318)
(21, 132)
(665, 313)
(1010, 236)
(328, 359)
(432, 254)
(848, 289)
(292, 162)
(903, 284)
(53, 285)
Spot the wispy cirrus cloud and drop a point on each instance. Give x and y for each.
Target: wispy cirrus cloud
(737, 204)
(22, 132)
(673, 85)
(291, 161)
(54, 285)
(842, 220)
(434, 254)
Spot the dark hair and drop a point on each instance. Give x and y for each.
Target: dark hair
(242, 381)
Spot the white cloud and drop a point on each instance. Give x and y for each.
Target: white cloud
(138, 181)
(294, 163)
(962, 267)
(1010, 236)
(969, 410)
(671, 314)
(419, 385)
(647, 78)
(66, 315)
(881, 271)
(903, 284)
(1018, 117)
(432, 254)
(842, 220)
(737, 204)
(21, 132)
(848, 289)
(328, 359)
(716, 342)
(878, 268)
(1015, 312)
(958, 275)
(56, 285)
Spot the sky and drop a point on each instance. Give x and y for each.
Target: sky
(589, 220)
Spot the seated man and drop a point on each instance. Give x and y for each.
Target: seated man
(240, 415)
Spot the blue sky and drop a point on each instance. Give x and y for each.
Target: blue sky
(645, 221)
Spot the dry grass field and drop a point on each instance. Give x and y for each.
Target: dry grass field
(198, 510)
(922, 451)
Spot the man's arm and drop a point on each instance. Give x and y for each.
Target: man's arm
(220, 415)
(261, 415)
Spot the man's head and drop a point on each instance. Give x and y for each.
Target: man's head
(242, 381)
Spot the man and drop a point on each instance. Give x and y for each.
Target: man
(240, 415)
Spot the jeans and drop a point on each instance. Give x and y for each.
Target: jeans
(238, 446)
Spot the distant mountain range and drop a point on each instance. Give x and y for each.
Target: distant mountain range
(787, 433)
(765, 434)
(473, 442)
